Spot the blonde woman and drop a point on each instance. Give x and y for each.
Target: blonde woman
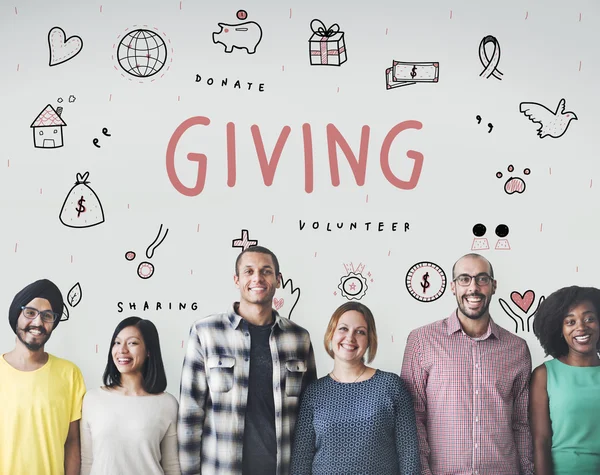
(357, 419)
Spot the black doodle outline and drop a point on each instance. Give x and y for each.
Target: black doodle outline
(64, 313)
(237, 28)
(82, 180)
(284, 284)
(65, 40)
(362, 291)
(121, 58)
(413, 293)
(392, 82)
(510, 169)
(58, 113)
(78, 295)
(322, 32)
(149, 253)
(251, 242)
(535, 111)
(494, 61)
(511, 313)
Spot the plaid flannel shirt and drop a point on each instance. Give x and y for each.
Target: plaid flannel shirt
(471, 399)
(214, 391)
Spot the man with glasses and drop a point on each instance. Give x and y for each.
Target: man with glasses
(469, 379)
(40, 394)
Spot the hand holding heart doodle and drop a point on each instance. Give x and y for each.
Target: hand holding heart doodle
(524, 302)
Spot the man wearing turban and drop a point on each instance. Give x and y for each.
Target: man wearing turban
(40, 394)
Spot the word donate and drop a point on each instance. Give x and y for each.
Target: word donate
(268, 166)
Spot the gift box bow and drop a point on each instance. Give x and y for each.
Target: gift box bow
(319, 29)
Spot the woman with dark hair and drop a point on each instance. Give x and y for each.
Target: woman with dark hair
(564, 396)
(129, 425)
(356, 420)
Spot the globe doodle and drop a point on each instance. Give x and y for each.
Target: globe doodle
(142, 53)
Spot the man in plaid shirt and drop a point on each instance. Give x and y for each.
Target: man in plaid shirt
(243, 374)
(469, 379)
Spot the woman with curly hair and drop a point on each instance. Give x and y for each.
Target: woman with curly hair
(564, 399)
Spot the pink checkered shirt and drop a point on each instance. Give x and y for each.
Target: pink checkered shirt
(471, 399)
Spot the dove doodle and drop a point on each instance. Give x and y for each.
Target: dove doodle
(552, 124)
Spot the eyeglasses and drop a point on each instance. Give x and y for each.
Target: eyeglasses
(480, 279)
(47, 315)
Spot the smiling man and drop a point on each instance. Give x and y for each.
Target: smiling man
(40, 394)
(469, 379)
(243, 374)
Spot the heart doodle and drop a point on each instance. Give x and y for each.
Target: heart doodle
(525, 301)
(61, 48)
(278, 303)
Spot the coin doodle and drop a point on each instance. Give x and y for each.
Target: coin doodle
(428, 275)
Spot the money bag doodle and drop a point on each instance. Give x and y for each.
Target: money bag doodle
(82, 208)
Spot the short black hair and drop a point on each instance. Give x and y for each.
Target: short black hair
(473, 254)
(548, 321)
(153, 372)
(261, 250)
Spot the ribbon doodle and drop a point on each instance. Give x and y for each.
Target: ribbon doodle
(322, 31)
(490, 64)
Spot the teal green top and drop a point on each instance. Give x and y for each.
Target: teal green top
(574, 398)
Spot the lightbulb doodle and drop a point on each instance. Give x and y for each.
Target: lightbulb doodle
(142, 53)
(62, 49)
(244, 242)
(74, 295)
(514, 184)
(426, 281)
(286, 298)
(353, 285)
(480, 242)
(82, 207)
(145, 269)
(524, 302)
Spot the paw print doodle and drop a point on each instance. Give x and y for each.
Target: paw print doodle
(514, 184)
(480, 242)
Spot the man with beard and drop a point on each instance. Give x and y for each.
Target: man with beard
(469, 379)
(40, 394)
(243, 374)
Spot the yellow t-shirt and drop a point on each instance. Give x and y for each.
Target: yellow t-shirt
(36, 408)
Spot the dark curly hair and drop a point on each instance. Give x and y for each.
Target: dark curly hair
(548, 321)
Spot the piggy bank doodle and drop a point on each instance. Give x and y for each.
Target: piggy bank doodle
(242, 35)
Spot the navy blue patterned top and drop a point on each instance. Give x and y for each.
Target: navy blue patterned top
(365, 428)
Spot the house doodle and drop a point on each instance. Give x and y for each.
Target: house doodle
(47, 128)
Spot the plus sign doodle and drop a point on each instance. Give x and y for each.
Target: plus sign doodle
(244, 242)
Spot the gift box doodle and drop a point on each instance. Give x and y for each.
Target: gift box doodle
(327, 46)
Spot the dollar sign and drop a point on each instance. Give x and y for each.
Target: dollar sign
(413, 73)
(80, 208)
(425, 284)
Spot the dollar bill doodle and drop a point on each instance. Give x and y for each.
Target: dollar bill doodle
(405, 73)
